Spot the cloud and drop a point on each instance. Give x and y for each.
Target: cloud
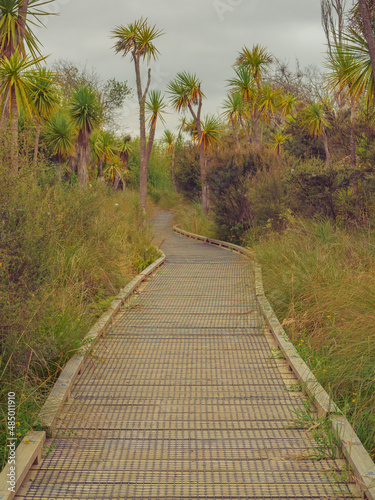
(202, 36)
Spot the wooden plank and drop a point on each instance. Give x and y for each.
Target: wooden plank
(63, 386)
(353, 449)
(356, 455)
(28, 453)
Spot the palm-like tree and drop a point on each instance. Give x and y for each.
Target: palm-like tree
(15, 30)
(343, 79)
(44, 98)
(350, 68)
(278, 139)
(366, 11)
(211, 132)
(256, 59)
(104, 148)
(155, 107)
(138, 40)
(269, 101)
(113, 171)
(16, 86)
(315, 121)
(244, 84)
(233, 107)
(60, 136)
(186, 94)
(86, 115)
(288, 104)
(124, 149)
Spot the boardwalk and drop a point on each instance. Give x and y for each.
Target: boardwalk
(183, 399)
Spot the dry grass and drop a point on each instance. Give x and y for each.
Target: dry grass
(64, 254)
(189, 216)
(321, 283)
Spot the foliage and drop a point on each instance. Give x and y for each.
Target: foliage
(158, 177)
(211, 132)
(84, 109)
(190, 217)
(188, 172)
(60, 136)
(15, 29)
(137, 39)
(320, 281)
(64, 253)
(230, 180)
(17, 84)
(111, 94)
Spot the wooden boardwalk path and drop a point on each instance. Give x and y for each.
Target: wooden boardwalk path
(182, 400)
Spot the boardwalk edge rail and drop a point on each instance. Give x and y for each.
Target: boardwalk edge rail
(29, 451)
(353, 449)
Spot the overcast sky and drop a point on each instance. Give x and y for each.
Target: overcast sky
(201, 36)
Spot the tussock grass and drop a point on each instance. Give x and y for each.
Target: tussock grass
(189, 216)
(321, 283)
(64, 255)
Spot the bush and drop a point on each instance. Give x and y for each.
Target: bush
(187, 172)
(231, 178)
(64, 254)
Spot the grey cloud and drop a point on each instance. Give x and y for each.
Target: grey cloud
(202, 36)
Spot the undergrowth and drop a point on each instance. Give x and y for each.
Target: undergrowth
(64, 255)
(189, 216)
(320, 281)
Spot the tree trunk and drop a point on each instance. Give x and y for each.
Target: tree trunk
(367, 22)
(353, 157)
(256, 130)
(100, 166)
(21, 21)
(326, 149)
(124, 157)
(202, 158)
(59, 170)
(72, 165)
(83, 153)
(261, 131)
(38, 128)
(247, 134)
(143, 164)
(142, 161)
(14, 134)
(116, 182)
(10, 44)
(238, 146)
(151, 140)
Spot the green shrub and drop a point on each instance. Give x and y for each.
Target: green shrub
(64, 255)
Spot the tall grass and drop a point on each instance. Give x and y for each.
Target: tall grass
(320, 280)
(64, 254)
(189, 216)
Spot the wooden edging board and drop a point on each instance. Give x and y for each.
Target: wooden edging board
(354, 451)
(29, 451)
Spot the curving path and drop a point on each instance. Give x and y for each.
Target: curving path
(183, 399)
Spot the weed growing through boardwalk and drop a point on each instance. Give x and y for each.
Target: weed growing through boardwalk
(328, 441)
